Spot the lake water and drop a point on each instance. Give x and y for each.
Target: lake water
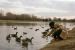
(28, 27)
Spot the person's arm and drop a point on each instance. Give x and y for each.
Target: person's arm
(51, 32)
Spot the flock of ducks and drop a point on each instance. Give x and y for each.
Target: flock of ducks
(19, 39)
(23, 42)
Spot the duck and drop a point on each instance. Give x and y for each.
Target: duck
(47, 30)
(18, 39)
(15, 28)
(29, 40)
(14, 35)
(44, 34)
(42, 27)
(8, 37)
(36, 29)
(30, 28)
(24, 33)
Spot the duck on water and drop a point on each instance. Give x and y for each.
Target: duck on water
(14, 35)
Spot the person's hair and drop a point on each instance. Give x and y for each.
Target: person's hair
(51, 24)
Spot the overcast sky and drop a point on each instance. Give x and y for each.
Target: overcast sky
(40, 7)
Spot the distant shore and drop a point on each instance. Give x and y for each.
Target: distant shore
(23, 21)
(67, 44)
(17, 21)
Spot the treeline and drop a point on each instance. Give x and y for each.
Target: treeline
(63, 20)
(27, 17)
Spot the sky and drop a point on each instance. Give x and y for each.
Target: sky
(46, 8)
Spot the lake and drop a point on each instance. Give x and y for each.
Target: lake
(32, 29)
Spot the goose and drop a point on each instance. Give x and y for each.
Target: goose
(29, 40)
(14, 35)
(8, 37)
(18, 39)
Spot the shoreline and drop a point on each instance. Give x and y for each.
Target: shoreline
(66, 44)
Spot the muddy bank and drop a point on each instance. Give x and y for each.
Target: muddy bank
(67, 44)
